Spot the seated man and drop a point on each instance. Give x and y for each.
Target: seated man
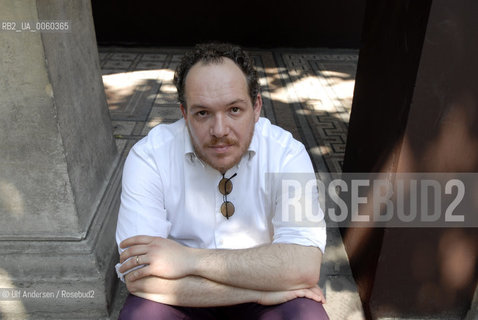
(202, 230)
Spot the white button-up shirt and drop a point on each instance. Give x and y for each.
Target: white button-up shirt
(169, 192)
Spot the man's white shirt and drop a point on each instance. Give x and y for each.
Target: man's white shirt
(167, 191)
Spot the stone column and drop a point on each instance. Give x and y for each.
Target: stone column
(58, 165)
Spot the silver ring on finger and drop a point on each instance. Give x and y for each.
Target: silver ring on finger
(137, 260)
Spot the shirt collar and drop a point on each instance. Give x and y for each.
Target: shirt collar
(254, 146)
(188, 147)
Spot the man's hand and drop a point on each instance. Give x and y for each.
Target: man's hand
(162, 258)
(276, 297)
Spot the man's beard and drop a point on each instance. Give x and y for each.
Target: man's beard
(222, 141)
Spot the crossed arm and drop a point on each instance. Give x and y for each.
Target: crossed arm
(178, 275)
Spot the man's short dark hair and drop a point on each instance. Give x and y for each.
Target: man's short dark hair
(215, 53)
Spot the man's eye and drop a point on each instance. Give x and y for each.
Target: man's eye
(235, 109)
(202, 113)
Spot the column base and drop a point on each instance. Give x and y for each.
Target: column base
(64, 279)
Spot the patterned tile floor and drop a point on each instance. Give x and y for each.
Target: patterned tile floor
(308, 92)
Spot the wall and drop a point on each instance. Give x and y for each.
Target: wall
(270, 23)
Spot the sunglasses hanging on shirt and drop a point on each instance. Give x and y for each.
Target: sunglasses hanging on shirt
(225, 188)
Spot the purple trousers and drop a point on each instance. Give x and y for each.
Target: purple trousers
(297, 309)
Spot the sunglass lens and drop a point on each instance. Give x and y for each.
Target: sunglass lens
(227, 209)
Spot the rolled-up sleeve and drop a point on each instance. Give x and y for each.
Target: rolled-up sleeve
(142, 210)
(298, 218)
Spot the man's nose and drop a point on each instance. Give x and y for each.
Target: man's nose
(220, 127)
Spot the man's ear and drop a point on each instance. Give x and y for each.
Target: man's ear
(183, 110)
(257, 107)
